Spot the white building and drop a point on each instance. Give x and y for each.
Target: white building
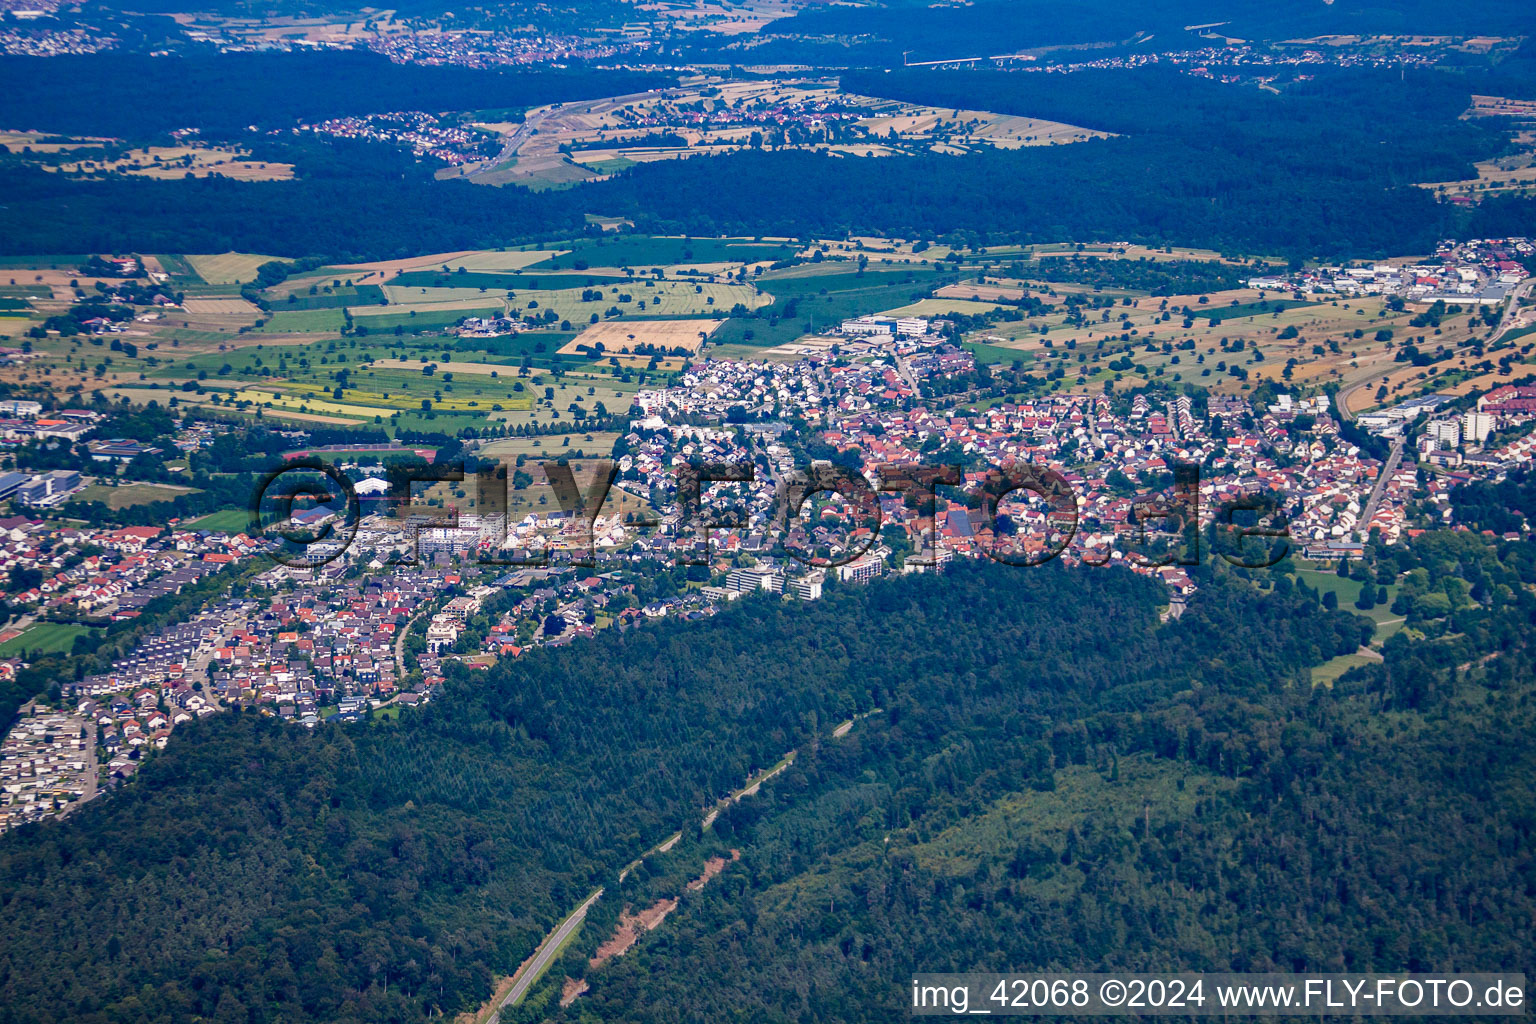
(861, 570)
(1476, 426)
(1447, 433)
(807, 587)
(867, 325)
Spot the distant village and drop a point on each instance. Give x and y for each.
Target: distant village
(1477, 273)
(425, 135)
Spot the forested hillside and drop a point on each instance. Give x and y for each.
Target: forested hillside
(258, 872)
(882, 35)
(227, 94)
(1385, 824)
(1325, 168)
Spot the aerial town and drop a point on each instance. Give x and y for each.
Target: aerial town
(368, 630)
(765, 510)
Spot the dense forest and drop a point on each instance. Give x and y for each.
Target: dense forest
(361, 216)
(883, 34)
(225, 95)
(254, 872)
(1159, 277)
(1325, 168)
(1384, 824)
(1501, 507)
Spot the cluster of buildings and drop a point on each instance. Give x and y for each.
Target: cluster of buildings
(309, 642)
(104, 573)
(489, 326)
(713, 387)
(491, 49)
(1493, 436)
(22, 421)
(41, 489)
(1230, 62)
(51, 42)
(425, 135)
(810, 114)
(47, 764)
(875, 324)
(339, 640)
(1479, 272)
(1111, 455)
(1391, 422)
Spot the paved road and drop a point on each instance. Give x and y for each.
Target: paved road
(400, 648)
(1512, 304)
(552, 115)
(1519, 292)
(1341, 398)
(906, 373)
(1381, 485)
(520, 135)
(535, 967)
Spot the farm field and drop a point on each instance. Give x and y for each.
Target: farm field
(1487, 381)
(124, 495)
(145, 395)
(1318, 340)
(304, 321)
(1108, 251)
(817, 297)
(383, 378)
(227, 268)
(939, 307)
(51, 261)
(413, 320)
(1329, 671)
(294, 363)
(979, 292)
(622, 337)
(504, 281)
(578, 304)
(1511, 172)
(202, 325)
(235, 306)
(299, 293)
(1247, 310)
(992, 355)
(488, 260)
(595, 445)
(554, 398)
(431, 296)
(169, 162)
(959, 130)
(302, 402)
(726, 18)
(455, 366)
(339, 29)
(430, 300)
(57, 144)
(643, 252)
